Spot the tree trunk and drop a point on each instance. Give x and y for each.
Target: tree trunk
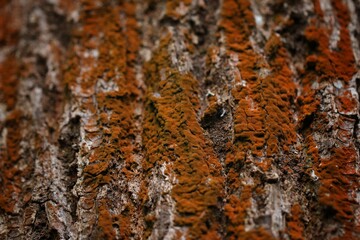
(202, 119)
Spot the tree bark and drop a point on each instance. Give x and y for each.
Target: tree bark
(202, 119)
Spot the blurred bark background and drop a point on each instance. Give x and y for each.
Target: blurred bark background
(183, 119)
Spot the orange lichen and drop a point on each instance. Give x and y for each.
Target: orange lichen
(235, 210)
(308, 105)
(213, 107)
(173, 135)
(295, 226)
(9, 157)
(346, 102)
(11, 128)
(9, 24)
(337, 174)
(108, 52)
(263, 114)
(9, 33)
(68, 6)
(263, 124)
(8, 82)
(105, 223)
(338, 178)
(177, 8)
(326, 64)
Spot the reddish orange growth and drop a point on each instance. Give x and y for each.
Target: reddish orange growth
(346, 103)
(10, 175)
(337, 173)
(237, 21)
(264, 91)
(279, 95)
(175, 9)
(295, 226)
(173, 135)
(9, 157)
(9, 31)
(8, 82)
(68, 6)
(326, 64)
(338, 180)
(235, 210)
(108, 53)
(263, 123)
(307, 105)
(213, 106)
(105, 223)
(9, 23)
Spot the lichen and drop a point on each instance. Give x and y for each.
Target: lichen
(323, 67)
(9, 158)
(108, 55)
(10, 122)
(263, 123)
(172, 134)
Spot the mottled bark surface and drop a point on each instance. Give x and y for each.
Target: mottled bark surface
(183, 119)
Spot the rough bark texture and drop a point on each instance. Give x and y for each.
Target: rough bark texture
(202, 119)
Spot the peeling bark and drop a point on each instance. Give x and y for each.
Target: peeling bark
(232, 119)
